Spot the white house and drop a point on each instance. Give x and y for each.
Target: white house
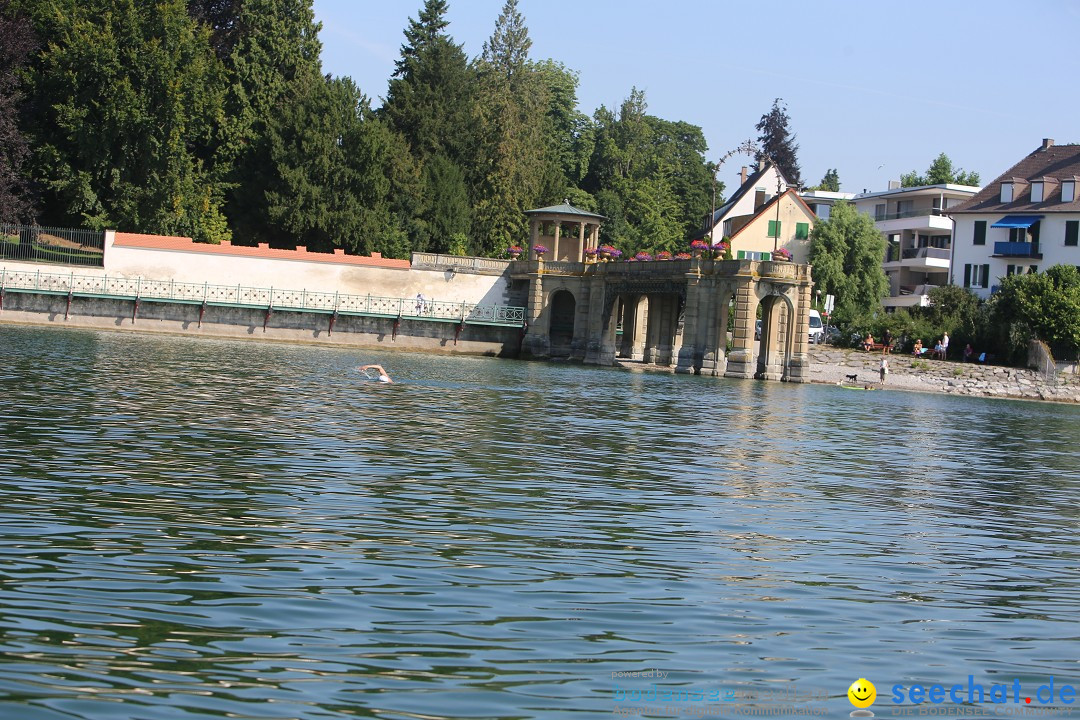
(1027, 219)
(918, 234)
(754, 192)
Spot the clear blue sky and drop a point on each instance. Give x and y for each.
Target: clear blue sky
(873, 89)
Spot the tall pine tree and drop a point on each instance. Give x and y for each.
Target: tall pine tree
(511, 117)
(275, 63)
(429, 103)
(777, 144)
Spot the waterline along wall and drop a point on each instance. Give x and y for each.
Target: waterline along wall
(161, 284)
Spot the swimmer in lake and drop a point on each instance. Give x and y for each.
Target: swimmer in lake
(383, 377)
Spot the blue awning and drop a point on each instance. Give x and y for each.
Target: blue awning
(1017, 221)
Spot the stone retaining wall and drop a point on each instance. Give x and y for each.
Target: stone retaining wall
(833, 365)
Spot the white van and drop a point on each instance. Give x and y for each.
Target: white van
(817, 329)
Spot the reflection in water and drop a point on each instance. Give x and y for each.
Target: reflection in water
(199, 528)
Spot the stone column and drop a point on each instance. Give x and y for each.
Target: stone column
(597, 323)
(691, 349)
(555, 249)
(741, 360)
(798, 369)
(652, 329)
(581, 242)
(534, 233)
(629, 318)
(668, 309)
(537, 341)
(641, 318)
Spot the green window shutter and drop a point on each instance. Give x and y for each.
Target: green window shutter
(774, 228)
(986, 276)
(802, 231)
(740, 255)
(1072, 232)
(980, 232)
(967, 275)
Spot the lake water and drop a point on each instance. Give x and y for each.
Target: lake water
(198, 528)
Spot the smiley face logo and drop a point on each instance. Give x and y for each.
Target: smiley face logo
(862, 693)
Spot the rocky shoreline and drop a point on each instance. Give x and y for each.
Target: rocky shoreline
(833, 365)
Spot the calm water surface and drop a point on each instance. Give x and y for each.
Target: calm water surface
(204, 529)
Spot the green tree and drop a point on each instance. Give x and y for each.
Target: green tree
(1041, 305)
(275, 63)
(570, 131)
(128, 126)
(430, 95)
(511, 117)
(649, 177)
(330, 190)
(829, 183)
(19, 42)
(778, 144)
(846, 251)
(940, 172)
(429, 104)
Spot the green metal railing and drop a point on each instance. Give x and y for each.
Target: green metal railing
(33, 243)
(142, 289)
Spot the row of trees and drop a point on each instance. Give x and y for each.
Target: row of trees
(213, 119)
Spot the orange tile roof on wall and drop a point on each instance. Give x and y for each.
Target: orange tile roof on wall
(184, 244)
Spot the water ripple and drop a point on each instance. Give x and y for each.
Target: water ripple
(201, 529)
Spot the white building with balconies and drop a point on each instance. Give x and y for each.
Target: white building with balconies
(1026, 220)
(918, 237)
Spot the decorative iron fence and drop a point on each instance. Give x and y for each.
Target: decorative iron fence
(262, 298)
(66, 246)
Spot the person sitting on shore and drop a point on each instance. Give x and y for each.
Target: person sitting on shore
(968, 352)
(383, 376)
(939, 351)
(868, 343)
(918, 351)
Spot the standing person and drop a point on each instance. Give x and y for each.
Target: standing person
(884, 368)
(886, 340)
(419, 303)
(944, 345)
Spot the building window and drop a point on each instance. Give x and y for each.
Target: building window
(1032, 269)
(976, 276)
(1068, 191)
(1017, 234)
(1072, 232)
(1006, 192)
(1036, 192)
(774, 229)
(980, 233)
(802, 231)
(879, 212)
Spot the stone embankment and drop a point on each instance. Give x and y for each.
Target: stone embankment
(833, 365)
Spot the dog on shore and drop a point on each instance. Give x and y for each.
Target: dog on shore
(852, 378)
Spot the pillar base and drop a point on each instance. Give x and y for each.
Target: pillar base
(740, 364)
(798, 369)
(687, 363)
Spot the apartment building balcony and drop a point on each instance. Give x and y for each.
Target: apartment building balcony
(1017, 250)
(919, 219)
(927, 259)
